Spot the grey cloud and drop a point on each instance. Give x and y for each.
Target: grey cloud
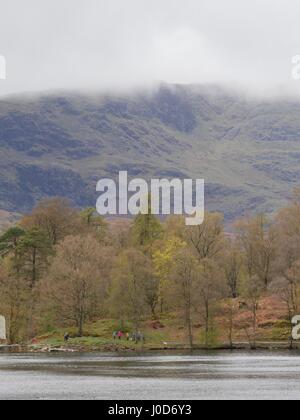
(120, 44)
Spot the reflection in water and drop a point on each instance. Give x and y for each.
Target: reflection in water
(216, 375)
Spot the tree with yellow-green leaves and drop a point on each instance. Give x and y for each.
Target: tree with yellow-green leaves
(163, 260)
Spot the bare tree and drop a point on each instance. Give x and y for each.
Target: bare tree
(183, 278)
(130, 280)
(55, 217)
(253, 292)
(206, 240)
(258, 243)
(232, 262)
(78, 279)
(286, 287)
(231, 309)
(210, 287)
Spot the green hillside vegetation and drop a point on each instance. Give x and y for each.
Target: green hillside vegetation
(247, 151)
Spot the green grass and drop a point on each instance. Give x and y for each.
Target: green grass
(99, 335)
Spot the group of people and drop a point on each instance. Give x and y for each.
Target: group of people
(136, 336)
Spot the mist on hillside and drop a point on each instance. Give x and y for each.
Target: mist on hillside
(100, 45)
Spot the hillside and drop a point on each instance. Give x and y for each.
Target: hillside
(61, 145)
(273, 330)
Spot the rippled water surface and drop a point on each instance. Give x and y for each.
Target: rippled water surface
(216, 375)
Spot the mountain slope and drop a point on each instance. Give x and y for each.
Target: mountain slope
(247, 151)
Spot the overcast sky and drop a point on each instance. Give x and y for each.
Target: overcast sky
(98, 44)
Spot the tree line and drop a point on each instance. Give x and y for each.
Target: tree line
(63, 267)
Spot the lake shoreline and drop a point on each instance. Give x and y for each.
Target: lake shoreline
(271, 346)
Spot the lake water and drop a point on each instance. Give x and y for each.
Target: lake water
(201, 375)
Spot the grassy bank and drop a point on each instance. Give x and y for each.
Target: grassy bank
(273, 332)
